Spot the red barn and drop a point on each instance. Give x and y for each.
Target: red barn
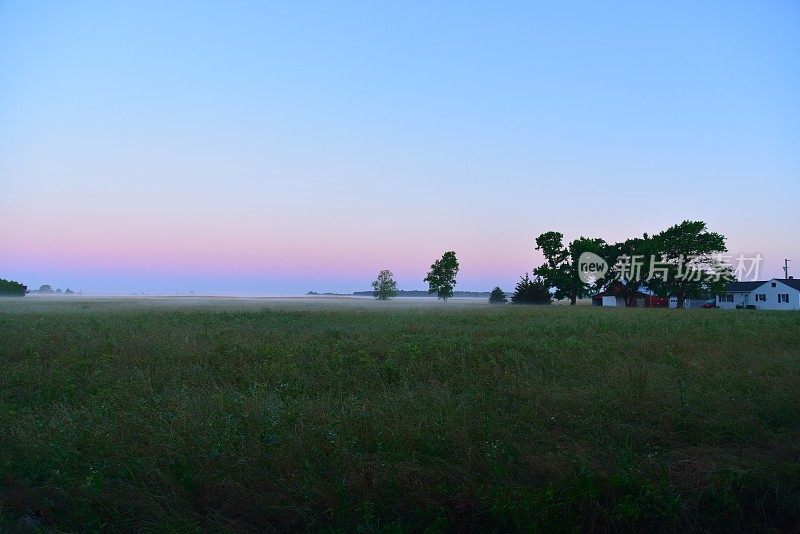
(613, 296)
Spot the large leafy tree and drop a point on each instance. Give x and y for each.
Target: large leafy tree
(9, 288)
(384, 287)
(630, 263)
(687, 263)
(560, 270)
(442, 276)
(531, 291)
(497, 296)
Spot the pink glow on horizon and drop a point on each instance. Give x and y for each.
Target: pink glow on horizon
(116, 247)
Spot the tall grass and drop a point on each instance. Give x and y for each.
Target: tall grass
(159, 417)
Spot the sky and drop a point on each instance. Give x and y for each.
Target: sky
(280, 147)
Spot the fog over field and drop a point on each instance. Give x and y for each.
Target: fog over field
(144, 302)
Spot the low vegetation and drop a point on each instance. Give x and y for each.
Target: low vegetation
(377, 417)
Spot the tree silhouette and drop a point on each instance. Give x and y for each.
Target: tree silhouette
(531, 291)
(384, 286)
(497, 296)
(442, 276)
(689, 258)
(9, 288)
(560, 270)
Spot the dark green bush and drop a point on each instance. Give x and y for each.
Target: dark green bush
(9, 288)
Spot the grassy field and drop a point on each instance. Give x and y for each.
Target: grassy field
(257, 415)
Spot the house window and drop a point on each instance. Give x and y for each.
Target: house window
(783, 298)
(773, 284)
(726, 298)
(761, 297)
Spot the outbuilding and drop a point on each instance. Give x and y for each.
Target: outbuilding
(614, 297)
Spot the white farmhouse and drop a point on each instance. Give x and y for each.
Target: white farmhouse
(775, 294)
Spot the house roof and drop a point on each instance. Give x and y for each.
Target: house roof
(744, 287)
(791, 282)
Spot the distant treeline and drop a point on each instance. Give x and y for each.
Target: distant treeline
(423, 293)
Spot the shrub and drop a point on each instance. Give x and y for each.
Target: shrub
(533, 291)
(497, 296)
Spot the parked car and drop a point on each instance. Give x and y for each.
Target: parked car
(709, 304)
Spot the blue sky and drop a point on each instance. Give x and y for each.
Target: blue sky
(251, 148)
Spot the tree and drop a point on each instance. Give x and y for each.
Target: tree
(531, 291)
(45, 288)
(384, 286)
(631, 265)
(687, 262)
(560, 270)
(9, 288)
(497, 296)
(442, 276)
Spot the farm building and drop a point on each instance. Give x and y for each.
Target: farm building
(613, 296)
(690, 302)
(775, 294)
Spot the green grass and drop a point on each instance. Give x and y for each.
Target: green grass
(211, 417)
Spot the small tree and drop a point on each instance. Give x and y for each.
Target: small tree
(497, 296)
(442, 276)
(531, 291)
(9, 288)
(384, 286)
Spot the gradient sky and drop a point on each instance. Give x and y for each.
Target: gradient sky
(274, 148)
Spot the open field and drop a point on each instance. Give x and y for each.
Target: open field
(283, 414)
